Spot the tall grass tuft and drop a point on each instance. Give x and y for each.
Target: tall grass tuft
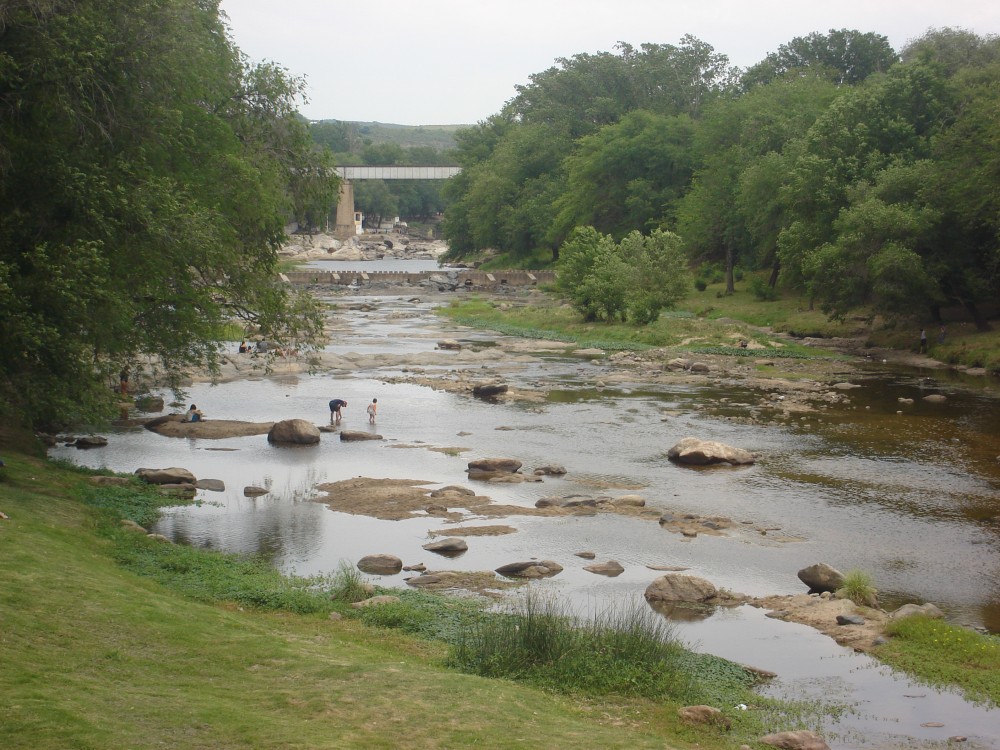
(348, 585)
(859, 588)
(626, 650)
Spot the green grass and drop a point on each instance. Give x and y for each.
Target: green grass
(943, 655)
(95, 656)
(859, 587)
(706, 320)
(683, 330)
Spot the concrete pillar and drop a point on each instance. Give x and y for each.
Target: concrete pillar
(344, 227)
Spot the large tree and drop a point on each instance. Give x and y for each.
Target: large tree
(146, 172)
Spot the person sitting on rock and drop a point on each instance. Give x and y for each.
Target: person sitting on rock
(194, 414)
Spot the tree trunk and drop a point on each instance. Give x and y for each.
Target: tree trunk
(730, 286)
(775, 269)
(977, 318)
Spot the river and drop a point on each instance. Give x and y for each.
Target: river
(909, 494)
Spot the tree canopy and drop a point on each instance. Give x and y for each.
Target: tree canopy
(856, 175)
(146, 172)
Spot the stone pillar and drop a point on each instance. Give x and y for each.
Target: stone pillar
(344, 227)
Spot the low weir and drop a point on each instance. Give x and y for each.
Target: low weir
(468, 278)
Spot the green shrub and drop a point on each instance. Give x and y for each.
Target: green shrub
(761, 290)
(700, 284)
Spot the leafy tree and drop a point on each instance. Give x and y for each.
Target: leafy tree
(376, 201)
(633, 280)
(146, 172)
(626, 176)
(846, 56)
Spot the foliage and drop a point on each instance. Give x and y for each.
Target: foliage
(347, 584)
(761, 291)
(629, 651)
(425, 614)
(859, 587)
(147, 172)
(632, 280)
(845, 55)
(941, 654)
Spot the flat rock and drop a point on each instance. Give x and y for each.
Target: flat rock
(212, 485)
(530, 569)
(355, 435)
(172, 475)
(173, 425)
(611, 568)
(380, 564)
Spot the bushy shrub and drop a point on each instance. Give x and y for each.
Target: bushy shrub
(761, 291)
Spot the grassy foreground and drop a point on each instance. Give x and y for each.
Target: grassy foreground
(94, 656)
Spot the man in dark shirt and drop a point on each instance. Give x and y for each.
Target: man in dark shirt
(335, 406)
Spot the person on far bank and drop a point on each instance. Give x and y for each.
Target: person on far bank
(923, 341)
(335, 406)
(372, 408)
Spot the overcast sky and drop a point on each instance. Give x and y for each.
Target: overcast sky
(428, 62)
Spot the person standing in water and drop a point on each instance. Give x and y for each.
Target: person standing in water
(335, 406)
(372, 408)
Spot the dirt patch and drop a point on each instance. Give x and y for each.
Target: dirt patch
(483, 583)
(474, 531)
(821, 612)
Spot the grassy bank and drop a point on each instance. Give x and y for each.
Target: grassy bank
(111, 638)
(711, 318)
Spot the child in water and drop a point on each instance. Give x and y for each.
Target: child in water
(372, 408)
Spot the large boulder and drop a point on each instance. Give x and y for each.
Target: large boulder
(91, 441)
(383, 565)
(821, 577)
(489, 390)
(450, 546)
(680, 588)
(530, 569)
(294, 431)
(908, 610)
(508, 465)
(691, 450)
(172, 475)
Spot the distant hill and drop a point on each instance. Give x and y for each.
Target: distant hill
(438, 137)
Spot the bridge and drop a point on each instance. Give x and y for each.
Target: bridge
(348, 222)
(364, 172)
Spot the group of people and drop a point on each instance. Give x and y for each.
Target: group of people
(338, 403)
(248, 348)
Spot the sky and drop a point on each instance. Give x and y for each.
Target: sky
(436, 62)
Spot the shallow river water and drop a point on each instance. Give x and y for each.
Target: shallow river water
(912, 498)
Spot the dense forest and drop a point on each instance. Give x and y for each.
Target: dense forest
(859, 175)
(147, 171)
